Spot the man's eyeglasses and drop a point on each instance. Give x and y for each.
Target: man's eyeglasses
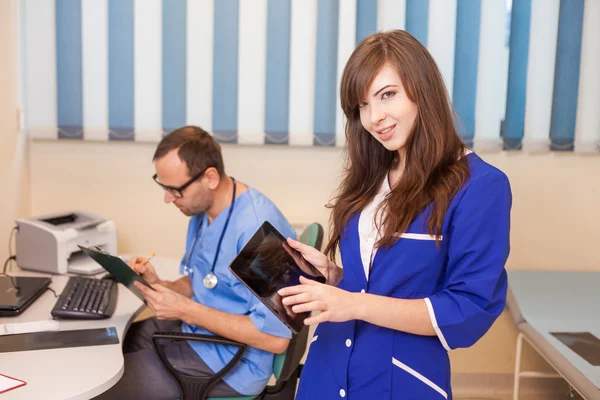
(178, 191)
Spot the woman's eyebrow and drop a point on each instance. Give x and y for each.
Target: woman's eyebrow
(385, 87)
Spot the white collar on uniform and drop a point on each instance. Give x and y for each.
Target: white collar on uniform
(385, 185)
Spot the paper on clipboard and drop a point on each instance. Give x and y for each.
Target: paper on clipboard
(8, 383)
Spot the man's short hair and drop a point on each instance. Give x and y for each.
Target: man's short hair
(197, 148)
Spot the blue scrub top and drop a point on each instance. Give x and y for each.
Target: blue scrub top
(463, 283)
(250, 210)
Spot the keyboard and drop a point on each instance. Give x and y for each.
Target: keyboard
(86, 298)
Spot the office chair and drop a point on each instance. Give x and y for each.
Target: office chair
(286, 366)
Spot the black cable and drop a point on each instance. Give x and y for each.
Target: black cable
(14, 257)
(11, 257)
(8, 260)
(12, 232)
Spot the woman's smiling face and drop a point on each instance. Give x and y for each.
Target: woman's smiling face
(387, 113)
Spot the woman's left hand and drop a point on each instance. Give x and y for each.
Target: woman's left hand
(336, 305)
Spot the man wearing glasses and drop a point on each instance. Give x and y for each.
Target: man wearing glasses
(224, 215)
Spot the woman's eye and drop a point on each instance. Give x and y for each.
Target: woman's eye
(361, 105)
(387, 95)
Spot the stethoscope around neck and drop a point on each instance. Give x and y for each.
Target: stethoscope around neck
(210, 280)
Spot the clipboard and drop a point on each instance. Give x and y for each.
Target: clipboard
(117, 268)
(9, 383)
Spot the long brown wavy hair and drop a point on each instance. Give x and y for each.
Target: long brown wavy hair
(434, 166)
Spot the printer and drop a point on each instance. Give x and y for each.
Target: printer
(48, 243)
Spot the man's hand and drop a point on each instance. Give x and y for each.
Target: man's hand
(146, 271)
(165, 303)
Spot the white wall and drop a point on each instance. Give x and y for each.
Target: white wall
(555, 216)
(115, 179)
(13, 178)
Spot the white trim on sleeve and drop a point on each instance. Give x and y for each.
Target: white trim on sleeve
(437, 329)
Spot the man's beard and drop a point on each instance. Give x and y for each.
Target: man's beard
(191, 212)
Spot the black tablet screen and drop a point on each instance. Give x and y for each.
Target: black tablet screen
(266, 264)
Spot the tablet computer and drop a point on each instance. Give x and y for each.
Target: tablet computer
(117, 268)
(266, 264)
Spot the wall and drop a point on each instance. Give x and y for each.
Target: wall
(555, 216)
(111, 178)
(13, 178)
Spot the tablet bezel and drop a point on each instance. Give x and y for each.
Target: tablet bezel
(243, 261)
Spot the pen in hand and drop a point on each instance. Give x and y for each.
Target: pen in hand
(148, 259)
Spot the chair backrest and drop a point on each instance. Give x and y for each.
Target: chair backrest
(312, 235)
(285, 364)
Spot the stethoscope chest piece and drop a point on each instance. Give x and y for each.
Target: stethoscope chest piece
(210, 280)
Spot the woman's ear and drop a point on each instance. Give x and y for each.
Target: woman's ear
(213, 177)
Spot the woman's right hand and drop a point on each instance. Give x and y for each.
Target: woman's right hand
(146, 271)
(318, 259)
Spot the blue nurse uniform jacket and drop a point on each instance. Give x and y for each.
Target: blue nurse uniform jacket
(463, 283)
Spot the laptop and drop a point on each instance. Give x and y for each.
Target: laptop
(18, 292)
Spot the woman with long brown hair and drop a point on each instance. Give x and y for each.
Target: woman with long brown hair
(422, 226)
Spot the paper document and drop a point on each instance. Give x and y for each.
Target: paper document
(81, 264)
(7, 383)
(27, 327)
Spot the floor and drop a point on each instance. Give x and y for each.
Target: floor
(500, 387)
(563, 396)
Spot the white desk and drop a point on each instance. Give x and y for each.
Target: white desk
(557, 301)
(77, 372)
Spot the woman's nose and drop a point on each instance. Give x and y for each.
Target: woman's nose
(377, 114)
